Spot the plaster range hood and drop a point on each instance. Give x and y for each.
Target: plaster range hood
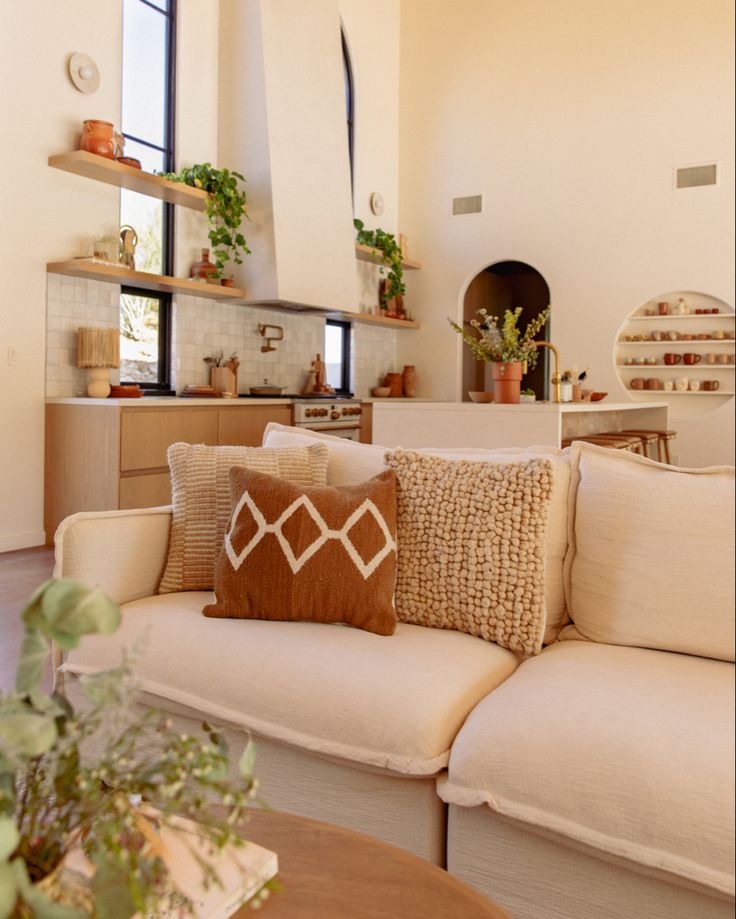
(282, 124)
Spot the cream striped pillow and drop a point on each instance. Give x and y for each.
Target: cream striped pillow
(201, 501)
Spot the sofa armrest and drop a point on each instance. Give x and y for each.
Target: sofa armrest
(123, 553)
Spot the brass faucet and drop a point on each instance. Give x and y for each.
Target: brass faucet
(263, 331)
(556, 377)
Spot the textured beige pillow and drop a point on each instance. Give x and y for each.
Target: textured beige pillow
(651, 558)
(201, 501)
(471, 540)
(309, 553)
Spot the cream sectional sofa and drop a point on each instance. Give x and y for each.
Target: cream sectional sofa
(593, 780)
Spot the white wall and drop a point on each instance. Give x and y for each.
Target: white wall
(569, 118)
(45, 214)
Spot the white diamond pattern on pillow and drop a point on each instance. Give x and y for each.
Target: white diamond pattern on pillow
(325, 533)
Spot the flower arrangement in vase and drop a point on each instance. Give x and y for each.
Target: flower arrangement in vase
(510, 351)
(74, 779)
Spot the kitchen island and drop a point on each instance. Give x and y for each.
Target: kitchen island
(405, 423)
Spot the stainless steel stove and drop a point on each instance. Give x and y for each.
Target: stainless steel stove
(333, 414)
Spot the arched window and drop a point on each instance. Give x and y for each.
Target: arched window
(349, 100)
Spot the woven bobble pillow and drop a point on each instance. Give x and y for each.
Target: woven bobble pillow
(471, 546)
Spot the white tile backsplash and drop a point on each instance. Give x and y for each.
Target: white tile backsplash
(202, 327)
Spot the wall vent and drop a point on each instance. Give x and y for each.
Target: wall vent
(694, 176)
(470, 204)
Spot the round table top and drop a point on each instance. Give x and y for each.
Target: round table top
(328, 872)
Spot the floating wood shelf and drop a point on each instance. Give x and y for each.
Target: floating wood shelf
(369, 254)
(113, 173)
(114, 274)
(386, 321)
(711, 316)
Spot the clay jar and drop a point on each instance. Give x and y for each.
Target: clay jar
(409, 381)
(205, 268)
(395, 384)
(97, 137)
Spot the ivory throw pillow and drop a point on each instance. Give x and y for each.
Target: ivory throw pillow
(471, 540)
(651, 559)
(309, 553)
(201, 501)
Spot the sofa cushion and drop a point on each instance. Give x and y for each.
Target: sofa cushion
(350, 461)
(626, 750)
(389, 703)
(313, 553)
(202, 506)
(651, 560)
(471, 546)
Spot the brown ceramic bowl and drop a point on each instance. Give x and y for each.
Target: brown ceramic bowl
(129, 161)
(597, 396)
(483, 397)
(381, 392)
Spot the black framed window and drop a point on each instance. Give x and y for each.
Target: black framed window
(349, 99)
(148, 106)
(337, 354)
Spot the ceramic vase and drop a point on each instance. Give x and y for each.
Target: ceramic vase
(204, 268)
(97, 137)
(409, 381)
(506, 381)
(395, 383)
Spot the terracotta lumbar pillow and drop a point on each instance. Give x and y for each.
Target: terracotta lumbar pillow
(201, 501)
(471, 540)
(309, 553)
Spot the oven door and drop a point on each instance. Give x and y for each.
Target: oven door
(349, 433)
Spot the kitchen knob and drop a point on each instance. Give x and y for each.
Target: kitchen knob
(334, 414)
(323, 411)
(358, 410)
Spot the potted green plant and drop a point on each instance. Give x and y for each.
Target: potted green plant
(391, 262)
(74, 779)
(225, 209)
(528, 395)
(510, 352)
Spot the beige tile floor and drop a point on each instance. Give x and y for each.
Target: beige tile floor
(20, 573)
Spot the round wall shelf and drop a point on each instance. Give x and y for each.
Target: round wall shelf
(696, 332)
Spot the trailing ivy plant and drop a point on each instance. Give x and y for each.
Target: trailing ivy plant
(73, 778)
(225, 209)
(391, 257)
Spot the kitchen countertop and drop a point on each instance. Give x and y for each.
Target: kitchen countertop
(164, 402)
(532, 407)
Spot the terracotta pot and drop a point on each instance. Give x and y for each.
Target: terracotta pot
(395, 383)
(205, 268)
(409, 381)
(97, 137)
(506, 381)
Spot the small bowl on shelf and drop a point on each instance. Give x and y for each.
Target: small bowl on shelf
(598, 396)
(481, 397)
(381, 392)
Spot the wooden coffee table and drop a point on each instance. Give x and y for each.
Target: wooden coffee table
(328, 872)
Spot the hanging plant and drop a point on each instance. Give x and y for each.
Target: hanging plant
(391, 258)
(225, 209)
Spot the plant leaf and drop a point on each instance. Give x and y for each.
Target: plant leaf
(105, 688)
(33, 656)
(247, 760)
(28, 734)
(65, 610)
(9, 838)
(8, 890)
(112, 892)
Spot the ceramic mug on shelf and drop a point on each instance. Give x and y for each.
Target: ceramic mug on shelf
(663, 308)
(690, 358)
(653, 383)
(694, 385)
(637, 383)
(711, 358)
(719, 335)
(681, 384)
(710, 385)
(671, 359)
(674, 335)
(668, 386)
(658, 335)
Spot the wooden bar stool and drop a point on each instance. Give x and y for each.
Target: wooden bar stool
(637, 442)
(663, 438)
(647, 439)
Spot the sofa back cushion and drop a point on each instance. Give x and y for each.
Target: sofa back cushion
(201, 501)
(350, 462)
(651, 558)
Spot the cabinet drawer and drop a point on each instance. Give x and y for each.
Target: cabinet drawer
(244, 427)
(145, 490)
(146, 435)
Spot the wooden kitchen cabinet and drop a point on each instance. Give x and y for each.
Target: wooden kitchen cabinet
(101, 456)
